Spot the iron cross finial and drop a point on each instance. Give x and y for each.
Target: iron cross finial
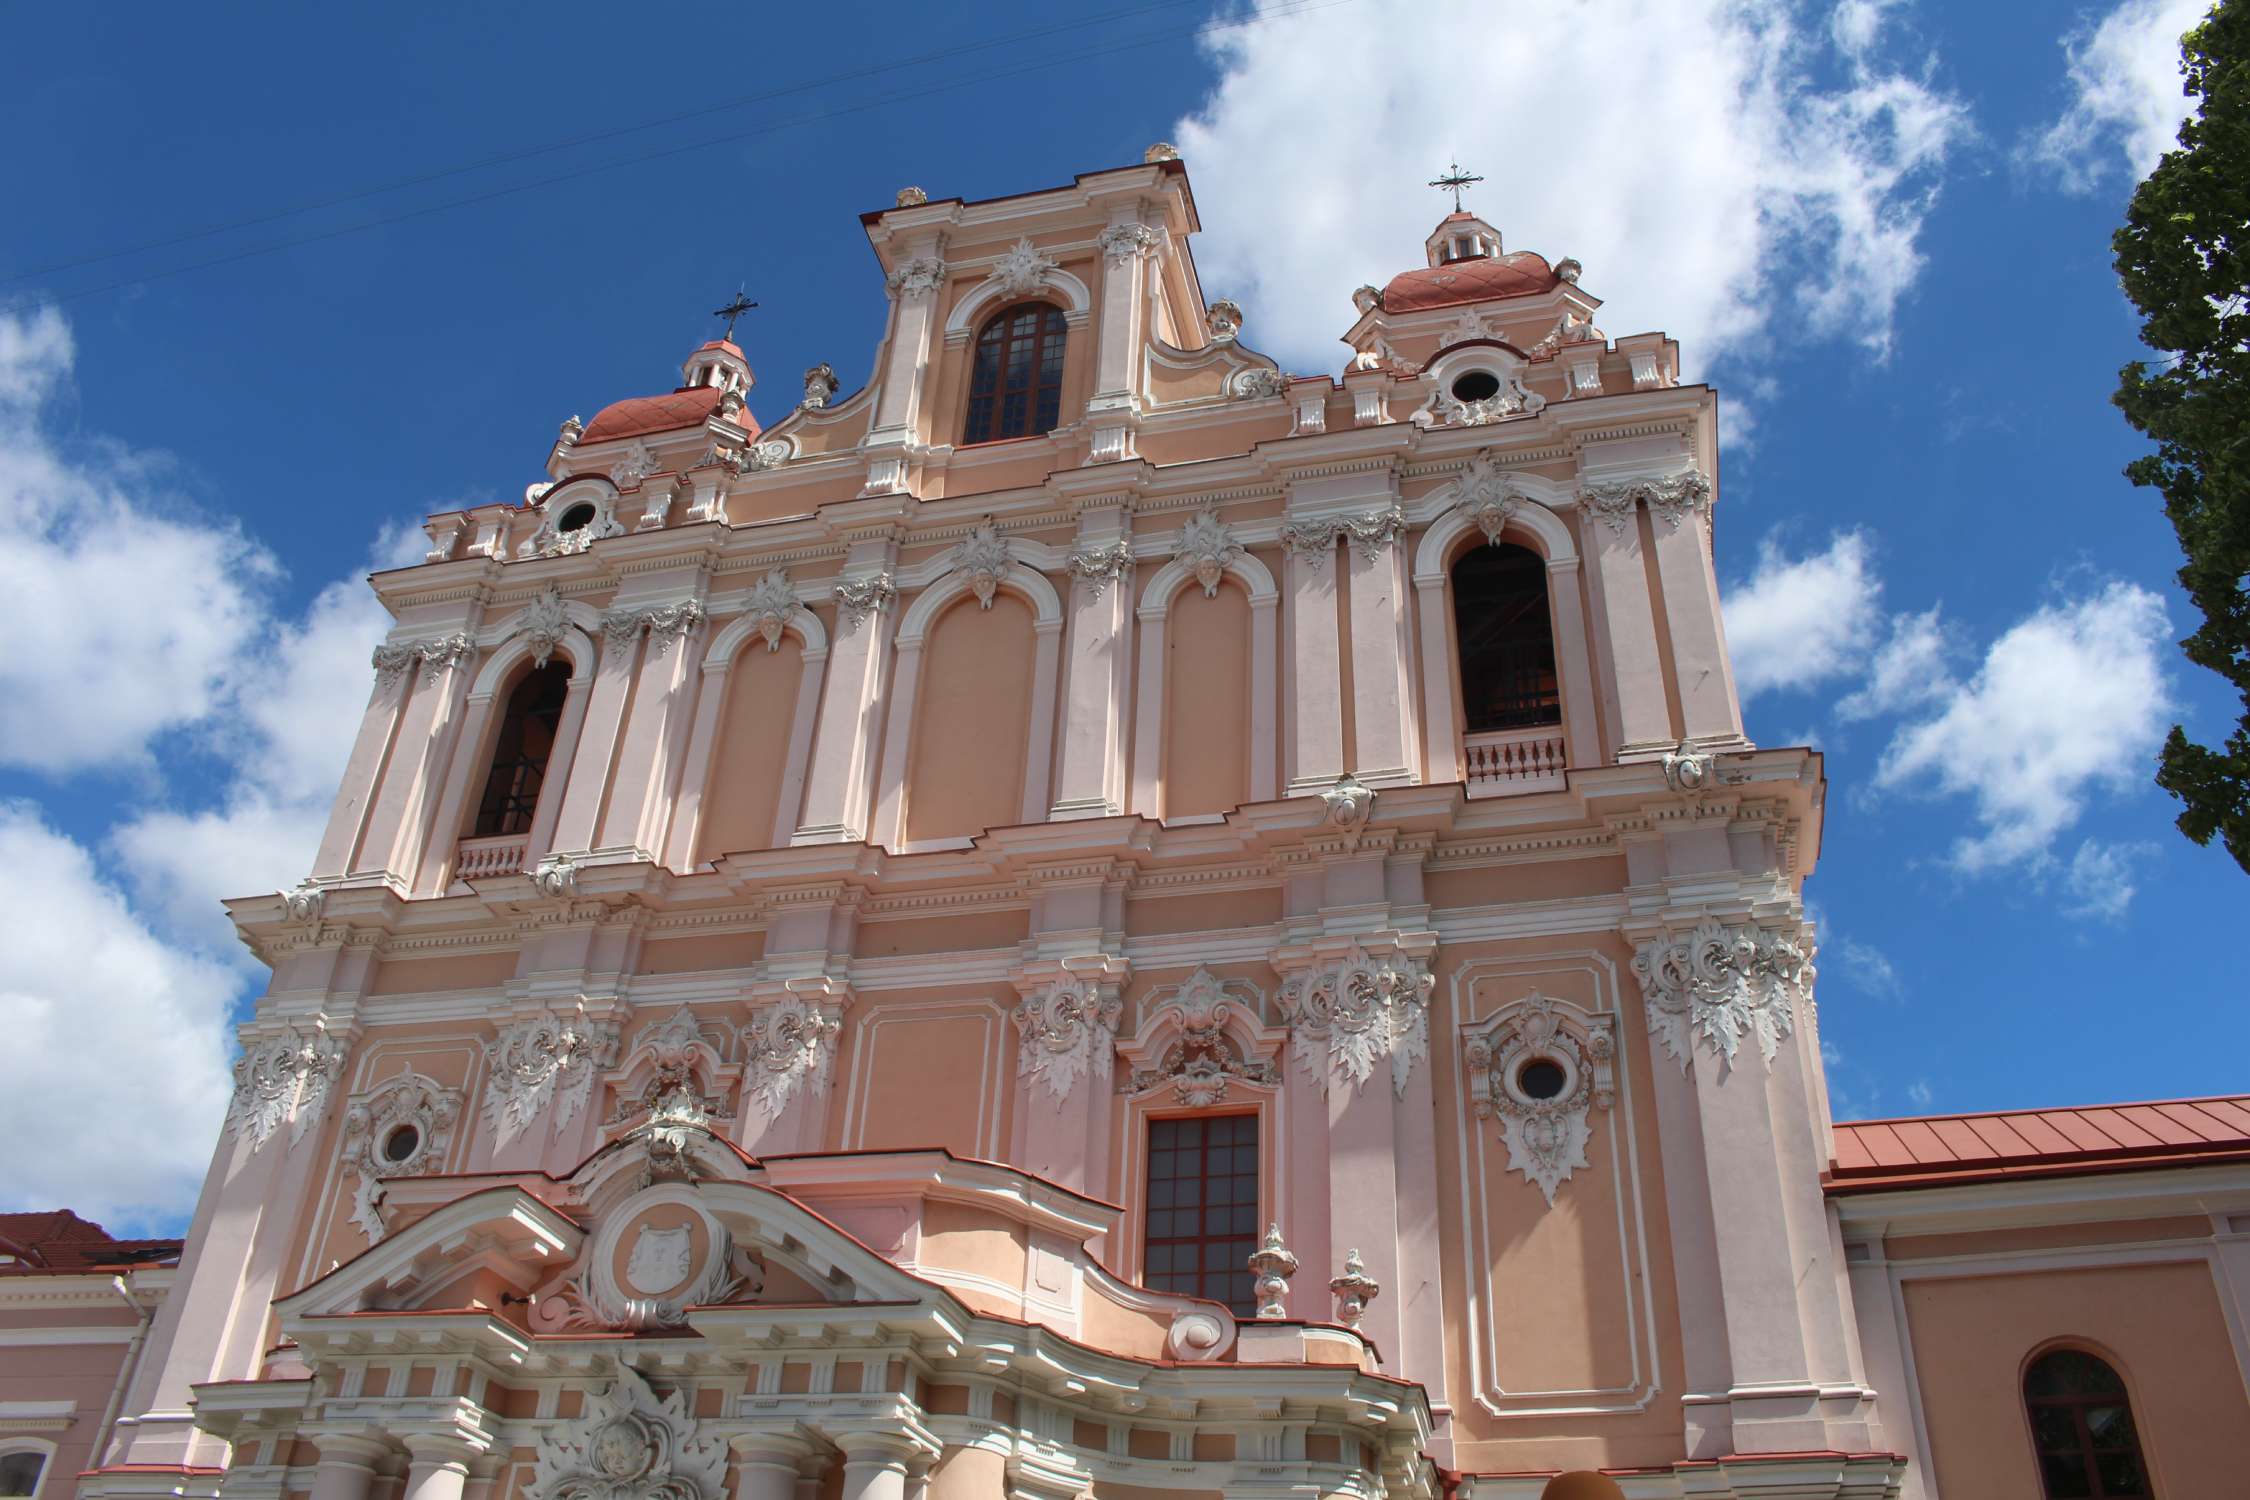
(1454, 180)
(732, 311)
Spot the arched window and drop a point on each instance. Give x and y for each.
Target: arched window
(21, 1470)
(2082, 1426)
(519, 755)
(1506, 638)
(1015, 380)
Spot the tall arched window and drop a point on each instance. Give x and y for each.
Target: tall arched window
(21, 1470)
(519, 755)
(1015, 379)
(1507, 640)
(2082, 1425)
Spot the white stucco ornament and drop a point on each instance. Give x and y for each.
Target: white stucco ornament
(1669, 499)
(1541, 1066)
(983, 559)
(773, 603)
(1347, 1015)
(858, 598)
(1121, 242)
(1099, 566)
(402, 1128)
(1208, 546)
(1272, 1264)
(660, 1259)
(789, 1045)
(1349, 803)
(1353, 1290)
(1719, 983)
(917, 277)
(542, 623)
(1255, 383)
(1067, 1030)
(1020, 272)
(545, 1060)
(283, 1077)
(629, 1445)
(1488, 495)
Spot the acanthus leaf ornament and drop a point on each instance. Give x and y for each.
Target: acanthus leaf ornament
(1208, 546)
(789, 1045)
(1204, 1060)
(628, 1445)
(283, 1077)
(542, 623)
(545, 1060)
(1347, 1015)
(917, 277)
(1067, 1031)
(1546, 1128)
(1719, 982)
(772, 605)
(1099, 565)
(857, 598)
(638, 463)
(1488, 495)
(1671, 499)
(1369, 534)
(392, 659)
(1256, 382)
(984, 559)
(1121, 242)
(304, 902)
(1021, 271)
(400, 1129)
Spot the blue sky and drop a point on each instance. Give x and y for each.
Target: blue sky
(1880, 229)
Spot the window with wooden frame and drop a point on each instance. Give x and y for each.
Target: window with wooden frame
(520, 753)
(1015, 374)
(1202, 1220)
(2082, 1427)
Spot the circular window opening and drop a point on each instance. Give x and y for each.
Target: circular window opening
(1541, 1078)
(401, 1143)
(1476, 385)
(577, 518)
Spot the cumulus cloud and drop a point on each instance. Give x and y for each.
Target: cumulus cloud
(116, 1000)
(2099, 878)
(1861, 965)
(2126, 102)
(2070, 699)
(93, 522)
(1907, 670)
(1780, 159)
(117, 1042)
(1800, 621)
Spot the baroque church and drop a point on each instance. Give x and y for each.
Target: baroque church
(1099, 919)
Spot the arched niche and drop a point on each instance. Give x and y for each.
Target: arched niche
(764, 697)
(1155, 728)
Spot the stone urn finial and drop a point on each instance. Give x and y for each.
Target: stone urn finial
(912, 197)
(1273, 1265)
(1354, 1290)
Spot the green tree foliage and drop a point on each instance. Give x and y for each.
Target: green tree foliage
(2184, 256)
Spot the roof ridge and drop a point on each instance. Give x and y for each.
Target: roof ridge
(2041, 1109)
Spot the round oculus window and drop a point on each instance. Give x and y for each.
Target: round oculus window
(401, 1144)
(577, 518)
(1476, 385)
(1541, 1078)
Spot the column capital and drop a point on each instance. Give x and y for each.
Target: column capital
(787, 1445)
(354, 1449)
(901, 1446)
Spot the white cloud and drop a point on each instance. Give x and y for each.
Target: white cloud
(2070, 699)
(1920, 1094)
(2099, 878)
(1908, 670)
(2126, 100)
(1861, 965)
(117, 1042)
(1705, 129)
(1798, 621)
(88, 684)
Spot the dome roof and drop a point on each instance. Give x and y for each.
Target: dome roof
(688, 406)
(1481, 279)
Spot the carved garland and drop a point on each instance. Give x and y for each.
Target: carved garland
(1345, 1016)
(1718, 982)
(545, 1060)
(856, 599)
(1671, 499)
(664, 623)
(1099, 565)
(391, 661)
(1068, 1032)
(1369, 534)
(1121, 242)
(283, 1077)
(1546, 1132)
(915, 278)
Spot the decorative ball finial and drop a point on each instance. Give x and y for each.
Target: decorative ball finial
(1225, 318)
(820, 385)
(1161, 151)
(1354, 1290)
(912, 197)
(1568, 269)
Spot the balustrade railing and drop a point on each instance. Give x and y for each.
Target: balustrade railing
(480, 859)
(1513, 760)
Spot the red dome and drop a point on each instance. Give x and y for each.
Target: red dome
(1516, 275)
(686, 407)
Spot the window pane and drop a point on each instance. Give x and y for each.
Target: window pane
(2065, 1477)
(19, 1472)
(2072, 1372)
(2121, 1475)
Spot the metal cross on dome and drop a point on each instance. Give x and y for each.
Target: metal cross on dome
(1454, 180)
(732, 311)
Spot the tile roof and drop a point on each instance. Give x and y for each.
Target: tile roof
(58, 1242)
(686, 407)
(1939, 1149)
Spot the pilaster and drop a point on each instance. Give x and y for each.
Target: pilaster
(841, 779)
(1091, 781)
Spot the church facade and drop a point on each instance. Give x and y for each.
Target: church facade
(1101, 920)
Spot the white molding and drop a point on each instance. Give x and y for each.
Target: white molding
(1074, 299)
(46, 1338)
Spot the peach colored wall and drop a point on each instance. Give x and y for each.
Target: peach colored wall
(969, 1474)
(971, 721)
(80, 1373)
(896, 1053)
(1207, 709)
(961, 934)
(753, 749)
(694, 955)
(2160, 1325)
(1541, 880)
(469, 971)
(1212, 913)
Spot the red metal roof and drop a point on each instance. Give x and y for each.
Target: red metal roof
(1936, 1149)
(686, 407)
(58, 1242)
(1458, 282)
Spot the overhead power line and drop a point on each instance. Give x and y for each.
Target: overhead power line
(1285, 10)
